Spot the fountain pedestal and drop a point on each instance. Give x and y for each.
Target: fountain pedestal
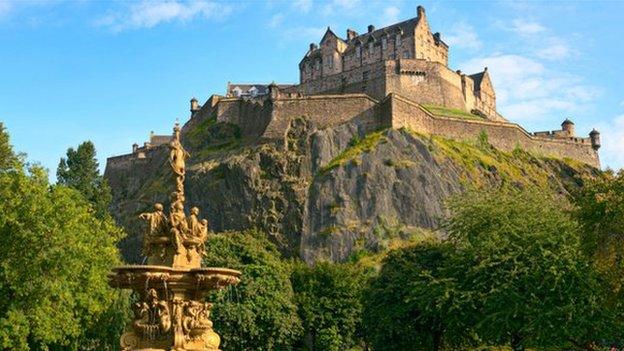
(172, 313)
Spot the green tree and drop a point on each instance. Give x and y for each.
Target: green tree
(80, 170)
(411, 304)
(525, 280)
(8, 159)
(328, 297)
(55, 255)
(259, 313)
(600, 210)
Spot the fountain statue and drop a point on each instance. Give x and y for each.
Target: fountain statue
(172, 313)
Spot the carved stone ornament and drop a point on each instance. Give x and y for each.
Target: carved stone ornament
(171, 312)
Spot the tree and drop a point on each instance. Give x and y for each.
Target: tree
(411, 303)
(600, 210)
(80, 171)
(328, 297)
(8, 159)
(259, 313)
(525, 280)
(55, 255)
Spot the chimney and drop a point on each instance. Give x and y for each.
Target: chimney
(351, 34)
(420, 11)
(135, 148)
(194, 105)
(437, 37)
(312, 46)
(371, 28)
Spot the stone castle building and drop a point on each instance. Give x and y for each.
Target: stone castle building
(397, 76)
(405, 58)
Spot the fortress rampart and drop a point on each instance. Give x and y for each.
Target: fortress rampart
(267, 119)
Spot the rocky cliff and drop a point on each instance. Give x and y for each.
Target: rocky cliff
(326, 193)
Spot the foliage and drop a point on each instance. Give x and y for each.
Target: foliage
(8, 159)
(410, 304)
(259, 313)
(80, 171)
(525, 280)
(356, 147)
(450, 112)
(209, 136)
(55, 255)
(600, 209)
(480, 164)
(328, 298)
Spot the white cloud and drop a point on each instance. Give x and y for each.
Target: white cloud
(276, 20)
(304, 34)
(302, 5)
(463, 35)
(390, 15)
(527, 90)
(612, 140)
(5, 7)
(336, 6)
(554, 52)
(524, 27)
(147, 14)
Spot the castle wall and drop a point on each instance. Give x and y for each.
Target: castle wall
(503, 136)
(323, 111)
(252, 116)
(426, 82)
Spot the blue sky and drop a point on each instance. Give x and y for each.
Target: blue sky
(113, 71)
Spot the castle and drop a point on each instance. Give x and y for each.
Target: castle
(397, 77)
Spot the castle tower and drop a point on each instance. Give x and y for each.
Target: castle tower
(568, 127)
(594, 136)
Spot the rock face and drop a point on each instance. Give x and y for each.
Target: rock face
(326, 194)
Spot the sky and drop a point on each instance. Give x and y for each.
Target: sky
(112, 71)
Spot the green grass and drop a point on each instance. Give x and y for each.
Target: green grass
(211, 136)
(479, 162)
(356, 147)
(449, 112)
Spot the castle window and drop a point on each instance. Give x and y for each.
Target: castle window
(384, 43)
(365, 75)
(406, 54)
(358, 51)
(318, 64)
(330, 61)
(397, 41)
(371, 49)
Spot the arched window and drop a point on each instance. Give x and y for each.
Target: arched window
(371, 49)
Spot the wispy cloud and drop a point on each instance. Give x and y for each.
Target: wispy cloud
(524, 27)
(527, 90)
(462, 35)
(276, 20)
(303, 34)
(5, 8)
(339, 5)
(147, 14)
(612, 135)
(390, 15)
(302, 5)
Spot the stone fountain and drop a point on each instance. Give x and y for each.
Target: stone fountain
(171, 312)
